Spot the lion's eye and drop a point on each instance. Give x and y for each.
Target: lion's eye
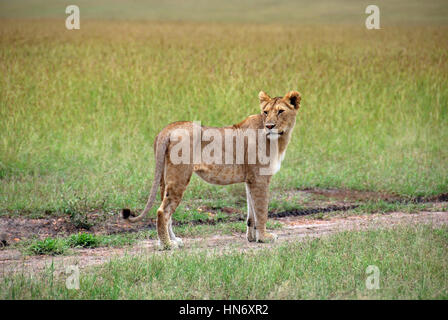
(265, 112)
(280, 111)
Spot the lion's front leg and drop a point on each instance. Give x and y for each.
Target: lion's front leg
(250, 234)
(259, 194)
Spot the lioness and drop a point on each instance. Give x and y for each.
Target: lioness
(274, 125)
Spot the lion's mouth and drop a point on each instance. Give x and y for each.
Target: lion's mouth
(275, 133)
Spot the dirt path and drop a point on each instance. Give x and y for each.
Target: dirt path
(294, 229)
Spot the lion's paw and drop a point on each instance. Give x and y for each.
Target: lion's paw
(178, 241)
(268, 238)
(250, 235)
(162, 246)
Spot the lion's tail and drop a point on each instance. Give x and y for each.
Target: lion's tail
(160, 164)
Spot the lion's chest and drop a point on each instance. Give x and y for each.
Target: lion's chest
(277, 162)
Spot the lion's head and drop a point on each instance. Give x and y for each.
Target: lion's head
(279, 114)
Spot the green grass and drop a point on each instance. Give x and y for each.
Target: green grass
(79, 110)
(412, 262)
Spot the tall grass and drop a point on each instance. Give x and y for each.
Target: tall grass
(79, 109)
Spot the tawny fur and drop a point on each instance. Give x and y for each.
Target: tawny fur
(276, 114)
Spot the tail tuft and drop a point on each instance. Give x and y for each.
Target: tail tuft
(126, 213)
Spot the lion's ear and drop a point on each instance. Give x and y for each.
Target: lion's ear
(293, 98)
(263, 96)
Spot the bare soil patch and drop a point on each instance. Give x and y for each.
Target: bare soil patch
(294, 229)
(15, 229)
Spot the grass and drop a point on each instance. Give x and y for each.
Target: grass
(412, 262)
(79, 110)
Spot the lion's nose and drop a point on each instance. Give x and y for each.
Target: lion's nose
(270, 126)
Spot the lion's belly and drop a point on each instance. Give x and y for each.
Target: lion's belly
(220, 174)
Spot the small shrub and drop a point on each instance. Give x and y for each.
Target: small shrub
(48, 246)
(84, 240)
(77, 209)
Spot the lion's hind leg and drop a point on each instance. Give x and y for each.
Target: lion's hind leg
(173, 237)
(176, 180)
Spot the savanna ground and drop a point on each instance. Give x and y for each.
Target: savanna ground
(79, 111)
